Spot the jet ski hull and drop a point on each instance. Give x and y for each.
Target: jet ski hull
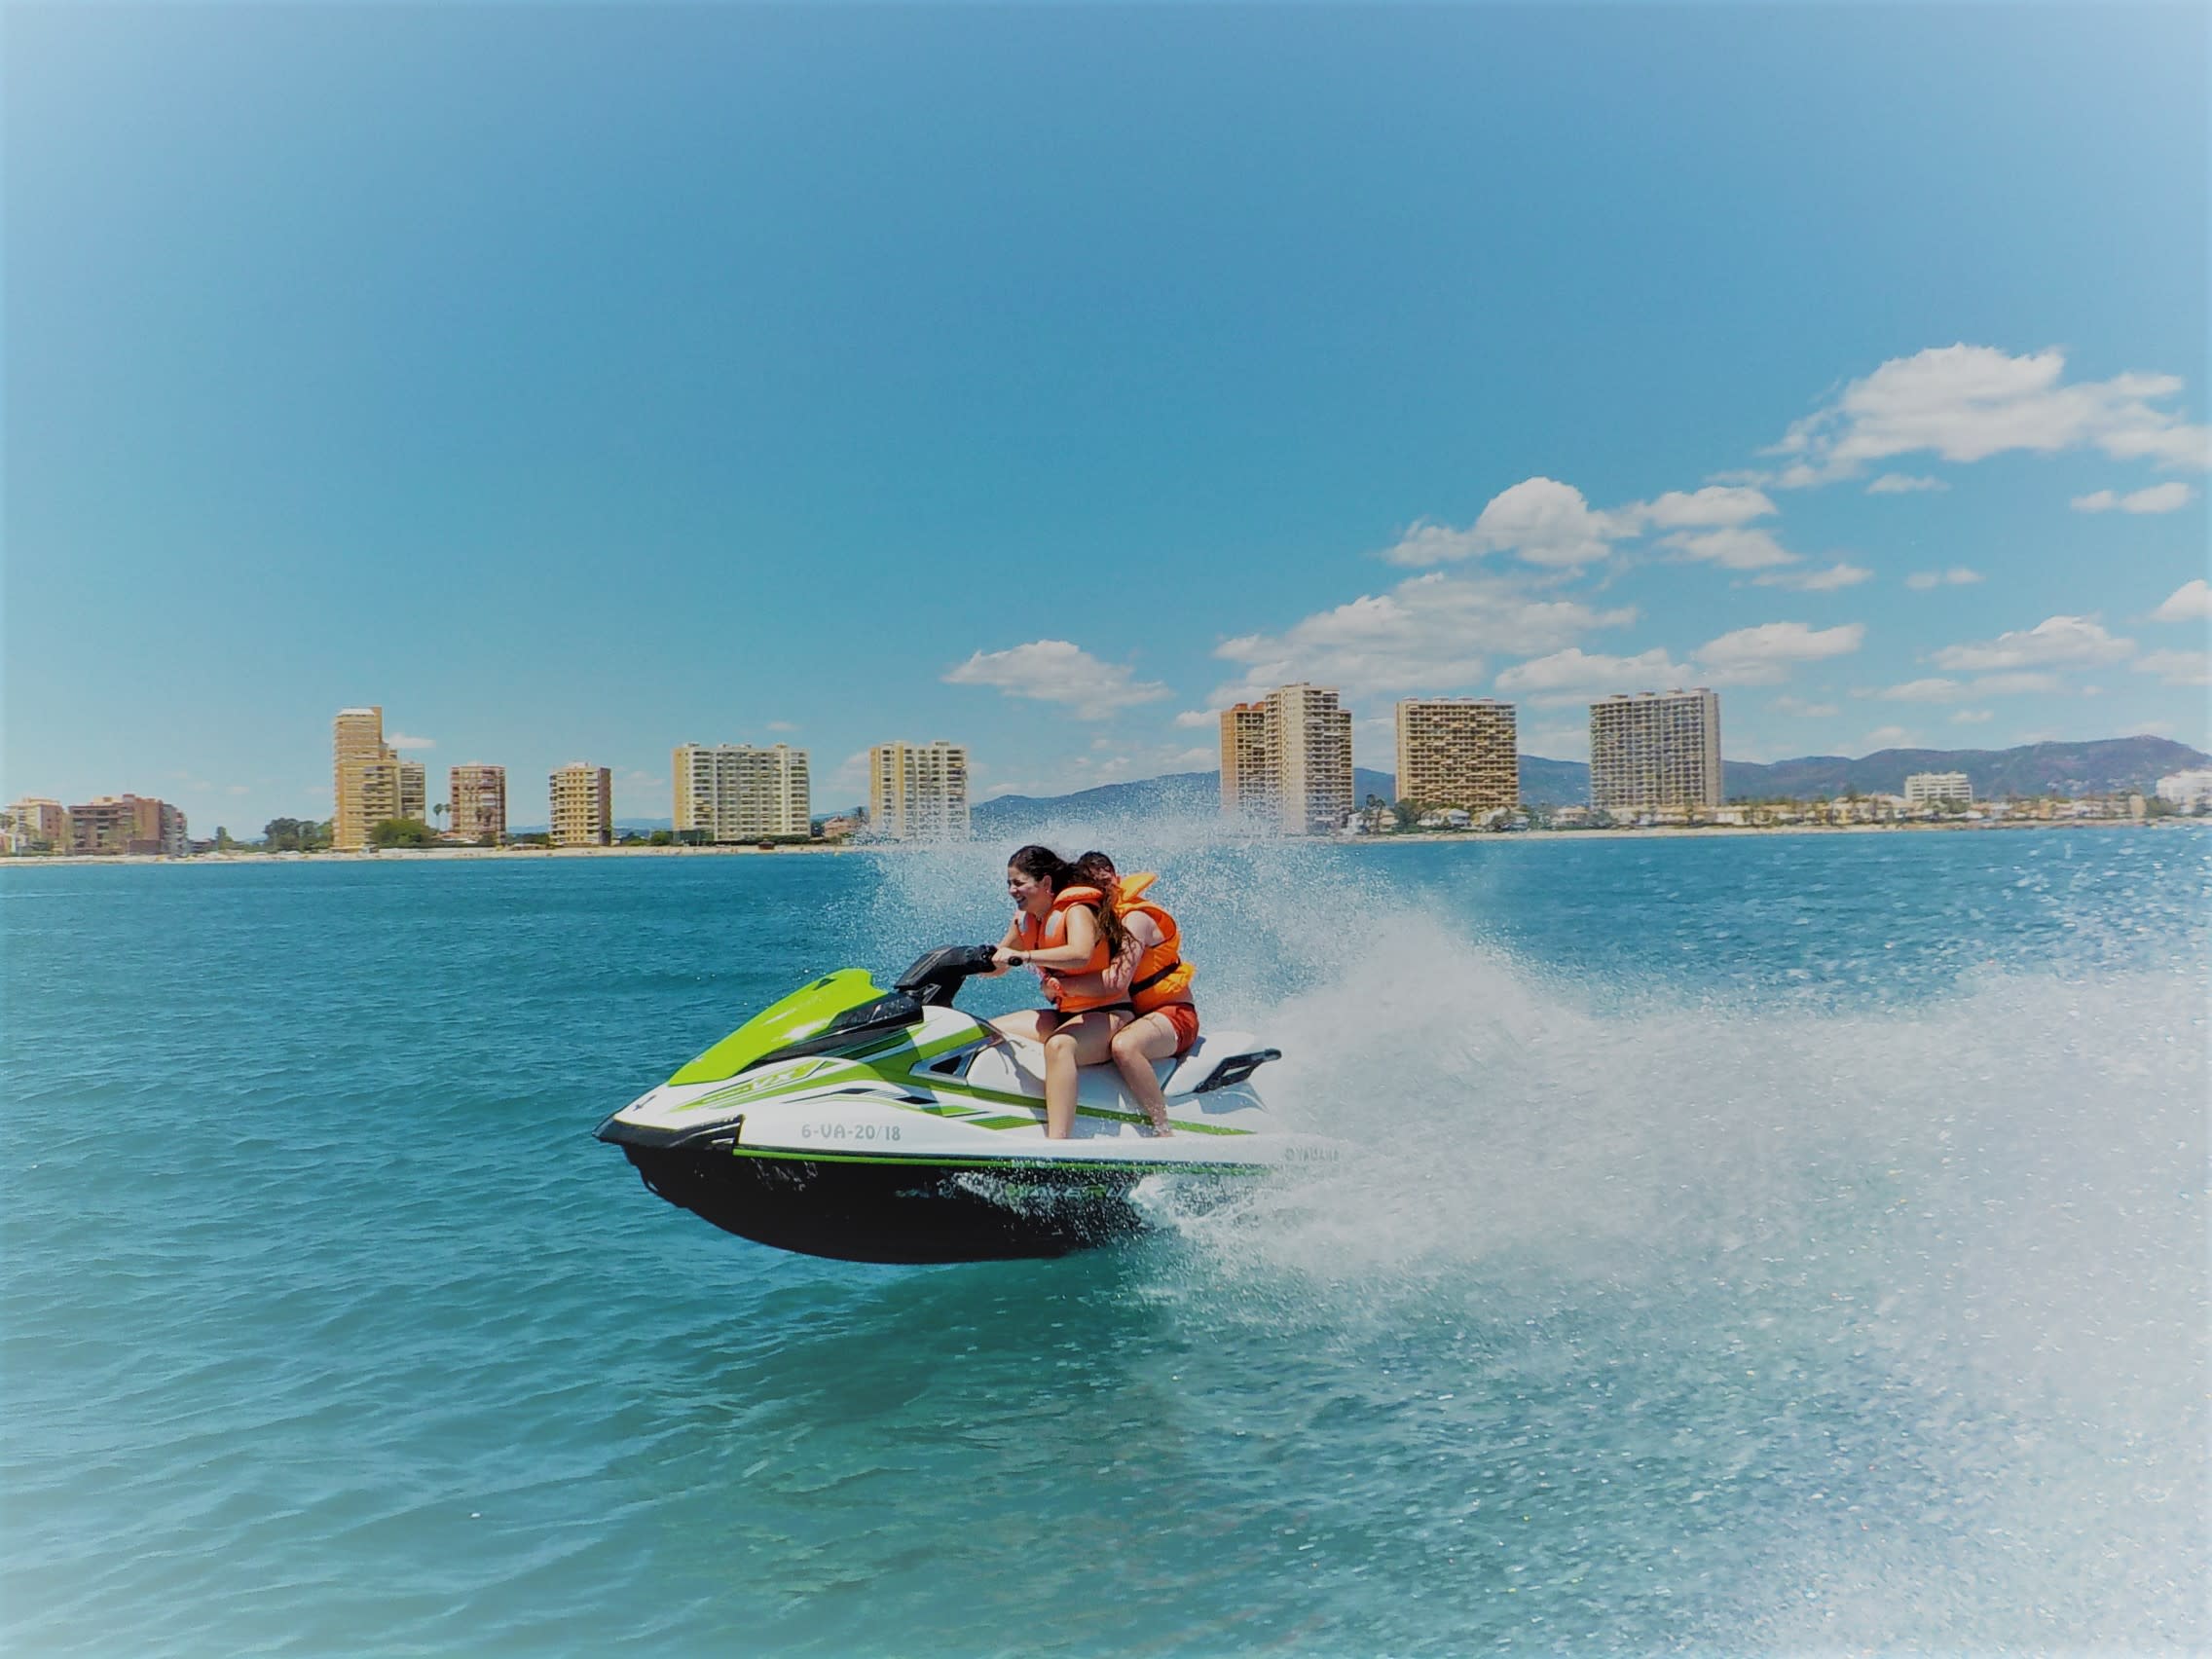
(915, 1209)
(867, 1126)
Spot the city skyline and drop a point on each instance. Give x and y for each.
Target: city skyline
(1477, 757)
(1379, 366)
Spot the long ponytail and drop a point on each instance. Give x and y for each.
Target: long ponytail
(1096, 869)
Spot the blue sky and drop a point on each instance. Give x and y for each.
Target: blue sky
(577, 381)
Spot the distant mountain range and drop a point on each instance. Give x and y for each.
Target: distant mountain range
(2071, 769)
(2105, 767)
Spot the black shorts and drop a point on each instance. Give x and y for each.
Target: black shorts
(1057, 1017)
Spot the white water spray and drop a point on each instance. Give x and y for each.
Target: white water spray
(1979, 1207)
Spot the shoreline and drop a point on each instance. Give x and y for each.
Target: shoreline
(1424, 837)
(1675, 831)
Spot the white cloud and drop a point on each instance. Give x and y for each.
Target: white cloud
(400, 739)
(849, 782)
(1966, 403)
(1786, 705)
(1890, 737)
(1923, 691)
(1191, 718)
(1903, 483)
(1970, 716)
(2058, 642)
(1836, 575)
(1748, 656)
(1762, 655)
(1425, 542)
(1427, 635)
(1113, 760)
(2017, 685)
(1714, 505)
(1734, 549)
(781, 726)
(1941, 691)
(1053, 671)
(1563, 740)
(1572, 676)
(2177, 668)
(1541, 520)
(2158, 498)
(2191, 601)
(1958, 576)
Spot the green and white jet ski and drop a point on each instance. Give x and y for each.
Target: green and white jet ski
(874, 1125)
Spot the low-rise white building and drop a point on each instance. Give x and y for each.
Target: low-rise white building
(2188, 792)
(1926, 789)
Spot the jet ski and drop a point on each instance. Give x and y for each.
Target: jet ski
(869, 1125)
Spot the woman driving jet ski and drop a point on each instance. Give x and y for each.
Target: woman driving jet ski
(1067, 931)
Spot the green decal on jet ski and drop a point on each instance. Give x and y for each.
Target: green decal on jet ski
(989, 1165)
(802, 1013)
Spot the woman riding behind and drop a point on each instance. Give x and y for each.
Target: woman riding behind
(1155, 978)
(1068, 931)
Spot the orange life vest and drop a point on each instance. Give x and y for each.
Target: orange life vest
(1162, 977)
(1052, 933)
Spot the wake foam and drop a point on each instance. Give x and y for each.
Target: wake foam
(1970, 1218)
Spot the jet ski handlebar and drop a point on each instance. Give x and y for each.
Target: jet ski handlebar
(935, 977)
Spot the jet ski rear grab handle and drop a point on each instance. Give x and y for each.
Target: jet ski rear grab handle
(935, 977)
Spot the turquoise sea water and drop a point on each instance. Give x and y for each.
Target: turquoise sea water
(1772, 1243)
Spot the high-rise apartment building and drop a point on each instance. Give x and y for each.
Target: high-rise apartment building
(583, 805)
(1291, 768)
(1247, 786)
(1310, 746)
(127, 824)
(735, 792)
(1461, 752)
(35, 821)
(381, 791)
(918, 791)
(369, 782)
(476, 801)
(1655, 749)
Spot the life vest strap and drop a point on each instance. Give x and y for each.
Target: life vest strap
(1151, 979)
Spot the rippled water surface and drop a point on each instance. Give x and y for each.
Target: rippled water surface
(1751, 1244)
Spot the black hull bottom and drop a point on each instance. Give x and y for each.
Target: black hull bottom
(913, 1213)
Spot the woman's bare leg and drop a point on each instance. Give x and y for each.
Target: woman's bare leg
(1030, 1025)
(1085, 1040)
(1135, 1047)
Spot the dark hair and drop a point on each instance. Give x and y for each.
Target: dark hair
(1042, 863)
(1096, 869)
